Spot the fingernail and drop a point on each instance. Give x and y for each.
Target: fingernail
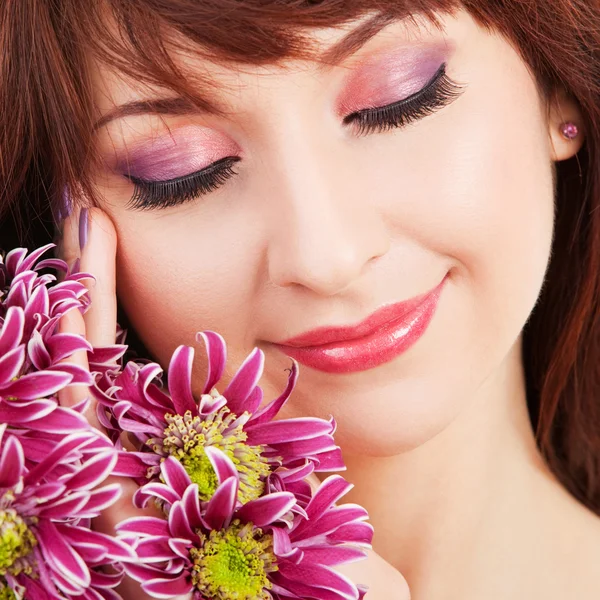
(67, 205)
(63, 207)
(83, 228)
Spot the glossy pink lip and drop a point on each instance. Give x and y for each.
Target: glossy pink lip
(385, 334)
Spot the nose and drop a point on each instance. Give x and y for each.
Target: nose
(327, 228)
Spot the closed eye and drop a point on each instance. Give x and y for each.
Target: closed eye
(172, 192)
(438, 92)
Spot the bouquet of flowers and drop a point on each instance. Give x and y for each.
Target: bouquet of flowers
(225, 508)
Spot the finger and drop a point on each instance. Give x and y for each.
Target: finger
(89, 236)
(98, 247)
(68, 244)
(72, 322)
(384, 582)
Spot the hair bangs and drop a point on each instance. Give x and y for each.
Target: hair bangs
(141, 38)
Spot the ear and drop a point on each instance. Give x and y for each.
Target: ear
(564, 109)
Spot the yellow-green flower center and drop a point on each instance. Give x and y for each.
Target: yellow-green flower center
(234, 563)
(6, 592)
(186, 436)
(16, 543)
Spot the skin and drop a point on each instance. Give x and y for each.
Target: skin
(322, 227)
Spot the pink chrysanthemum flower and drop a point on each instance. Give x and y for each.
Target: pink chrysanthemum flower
(175, 424)
(47, 550)
(266, 549)
(32, 353)
(39, 295)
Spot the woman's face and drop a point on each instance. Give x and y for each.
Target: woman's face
(322, 213)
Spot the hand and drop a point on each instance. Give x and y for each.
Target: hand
(99, 325)
(383, 580)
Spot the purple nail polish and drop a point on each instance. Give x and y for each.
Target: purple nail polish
(83, 228)
(67, 205)
(62, 208)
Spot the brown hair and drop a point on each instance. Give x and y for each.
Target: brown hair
(46, 133)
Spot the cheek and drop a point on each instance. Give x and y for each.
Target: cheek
(482, 195)
(177, 277)
(497, 216)
(471, 188)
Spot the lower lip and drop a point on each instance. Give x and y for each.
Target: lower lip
(377, 348)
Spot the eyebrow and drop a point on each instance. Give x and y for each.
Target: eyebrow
(178, 105)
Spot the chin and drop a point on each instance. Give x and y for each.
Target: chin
(390, 422)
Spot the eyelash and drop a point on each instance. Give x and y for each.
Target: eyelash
(437, 93)
(172, 192)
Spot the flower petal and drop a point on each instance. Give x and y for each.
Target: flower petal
(328, 522)
(244, 381)
(269, 412)
(11, 463)
(191, 504)
(221, 463)
(329, 461)
(282, 546)
(331, 556)
(11, 364)
(254, 400)
(59, 421)
(217, 357)
(79, 375)
(113, 547)
(12, 329)
(60, 556)
(37, 351)
(15, 413)
(101, 499)
(310, 578)
(268, 509)
(221, 506)
(154, 549)
(150, 491)
(64, 507)
(107, 355)
(328, 493)
(62, 450)
(38, 304)
(179, 380)
(179, 525)
(168, 588)
(134, 464)
(37, 385)
(93, 472)
(150, 526)
(63, 345)
(287, 430)
(356, 532)
(28, 261)
(175, 475)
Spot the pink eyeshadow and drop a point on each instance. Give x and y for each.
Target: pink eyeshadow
(187, 150)
(393, 76)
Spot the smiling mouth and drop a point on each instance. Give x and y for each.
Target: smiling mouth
(380, 338)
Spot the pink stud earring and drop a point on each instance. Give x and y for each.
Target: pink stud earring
(569, 130)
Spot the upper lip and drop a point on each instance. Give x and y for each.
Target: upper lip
(387, 314)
